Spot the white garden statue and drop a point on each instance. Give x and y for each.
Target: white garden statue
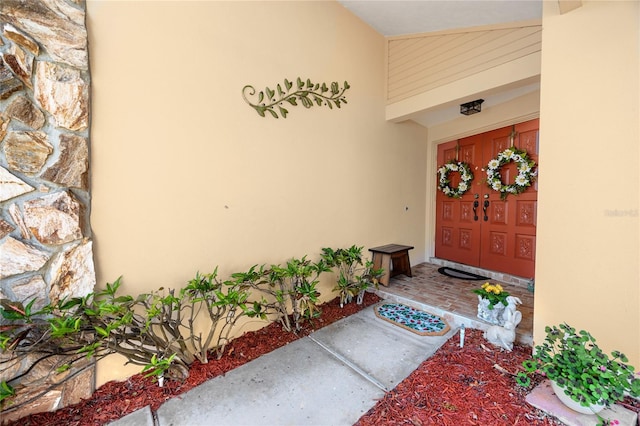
(512, 305)
(505, 336)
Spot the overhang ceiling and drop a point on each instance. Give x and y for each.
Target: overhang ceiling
(401, 17)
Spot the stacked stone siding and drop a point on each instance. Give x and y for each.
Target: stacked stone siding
(45, 236)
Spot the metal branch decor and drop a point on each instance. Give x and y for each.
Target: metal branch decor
(305, 93)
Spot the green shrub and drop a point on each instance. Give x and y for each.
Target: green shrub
(354, 274)
(165, 331)
(284, 289)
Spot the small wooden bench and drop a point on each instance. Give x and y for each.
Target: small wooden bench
(394, 258)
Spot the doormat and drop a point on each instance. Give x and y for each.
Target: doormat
(414, 320)
(455, 273)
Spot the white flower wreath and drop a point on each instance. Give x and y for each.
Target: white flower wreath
(466, 176)
(526, 172)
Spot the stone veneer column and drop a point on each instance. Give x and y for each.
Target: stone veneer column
(45, 237)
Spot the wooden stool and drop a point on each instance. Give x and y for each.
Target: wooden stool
(394, 258)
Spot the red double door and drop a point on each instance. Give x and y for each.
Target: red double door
(480, 229)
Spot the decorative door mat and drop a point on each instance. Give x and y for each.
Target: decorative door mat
(414, 320)
(455, 273)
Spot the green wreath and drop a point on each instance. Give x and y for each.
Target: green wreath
(466, 176)
(526, 172)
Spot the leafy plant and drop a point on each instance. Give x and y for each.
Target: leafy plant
(354, 274)
(157, 367)
(494, 293)
(164, 331)
(222, 303)
(157, 330)
(6, 391)
(303, 92)
(289, 288)
(574, 361)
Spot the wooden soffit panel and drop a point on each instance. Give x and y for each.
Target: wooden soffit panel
(418, 64)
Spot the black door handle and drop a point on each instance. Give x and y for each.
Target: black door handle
(484, 209)
(475, 210)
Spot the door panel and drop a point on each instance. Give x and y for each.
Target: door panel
(508, 237)
(457, 230)
(503, 238)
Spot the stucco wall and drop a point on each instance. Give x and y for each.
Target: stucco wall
(186, 176)
(587, 271)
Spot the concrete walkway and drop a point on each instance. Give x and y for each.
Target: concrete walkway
(331, 377)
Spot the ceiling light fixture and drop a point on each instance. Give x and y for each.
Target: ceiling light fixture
(471, 107)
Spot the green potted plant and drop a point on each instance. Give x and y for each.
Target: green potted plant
(355, 275)
(579, 371)
(492, 299)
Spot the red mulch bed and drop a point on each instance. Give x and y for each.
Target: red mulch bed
(455, 386)
(461, 386)
(473, 385)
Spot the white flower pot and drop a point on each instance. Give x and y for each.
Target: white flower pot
(492, 316)
(575, 406)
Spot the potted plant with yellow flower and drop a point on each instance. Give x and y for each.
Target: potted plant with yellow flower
(492, 299)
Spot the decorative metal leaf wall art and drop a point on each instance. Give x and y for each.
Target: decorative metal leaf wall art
(273, 101)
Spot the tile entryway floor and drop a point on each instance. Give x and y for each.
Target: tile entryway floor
(453, 299)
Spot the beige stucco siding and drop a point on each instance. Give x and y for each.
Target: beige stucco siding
(187, 176)
(588, 257)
